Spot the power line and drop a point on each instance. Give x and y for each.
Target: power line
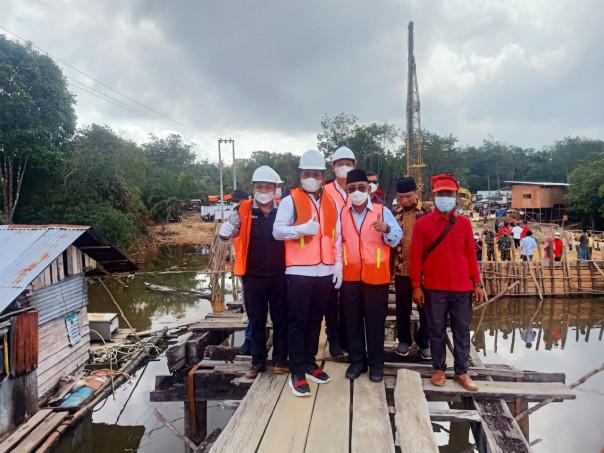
(108, 87)
(76, 84)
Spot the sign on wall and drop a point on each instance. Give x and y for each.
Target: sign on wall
(73, 328)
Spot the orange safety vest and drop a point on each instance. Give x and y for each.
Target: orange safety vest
(242, 241)
(335, 194)
(365, 255)
(312, 250)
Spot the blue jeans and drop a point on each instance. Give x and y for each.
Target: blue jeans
(583, 254)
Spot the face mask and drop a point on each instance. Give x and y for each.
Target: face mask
(342, 171)
(264, 198)
(358, 198)
(445, 204)
(278, 193)
(372, 187)
(310, 185)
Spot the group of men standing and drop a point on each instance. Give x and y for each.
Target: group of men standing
(325, 251)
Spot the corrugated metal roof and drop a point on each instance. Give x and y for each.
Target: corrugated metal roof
(563, 184)
(25, 251)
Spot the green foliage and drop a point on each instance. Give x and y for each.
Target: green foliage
(376, 147)
(586, 196)
(36, 116)
(3, 218)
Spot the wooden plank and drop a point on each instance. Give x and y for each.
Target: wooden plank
(412, 418)
(42, 431)
(530, 391)
(246, 427)
(371, 430)
(332, 404)
(288, 426)
(454, 415)
(23, 430)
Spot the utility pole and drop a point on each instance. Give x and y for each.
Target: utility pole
(232, 142)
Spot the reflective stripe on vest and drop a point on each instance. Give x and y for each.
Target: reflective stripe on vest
(365, 256)
(242, 241)
(335, 194)
(312, 250)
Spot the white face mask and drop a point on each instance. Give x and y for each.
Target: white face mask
(310, 185)
(372, 187)
(342, 171)
(278, 192)
(445, 204)
(264, 198)
(358, 198)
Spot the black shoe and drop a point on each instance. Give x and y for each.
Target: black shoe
(317, 375)
(299, 386)
(376, 374)
(246, 348)
(335, 350)
(355, 370)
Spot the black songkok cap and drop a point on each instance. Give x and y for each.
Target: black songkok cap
(239, 195)
(405, 185)
(356, 176)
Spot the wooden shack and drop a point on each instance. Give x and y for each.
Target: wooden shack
(44, 329)
(542, 201)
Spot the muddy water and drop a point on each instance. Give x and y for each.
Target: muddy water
(558, 336)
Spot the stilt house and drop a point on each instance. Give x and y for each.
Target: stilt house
(44, 333)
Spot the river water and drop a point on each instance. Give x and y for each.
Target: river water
(561, 335)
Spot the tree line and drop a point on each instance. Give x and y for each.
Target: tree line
(52, 172)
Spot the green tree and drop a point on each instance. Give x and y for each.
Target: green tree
(376, 146)
(36, 116)
(586, 193)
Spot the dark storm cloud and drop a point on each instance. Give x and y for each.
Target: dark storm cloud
(525, 72)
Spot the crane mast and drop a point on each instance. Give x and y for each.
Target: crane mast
(413, 131)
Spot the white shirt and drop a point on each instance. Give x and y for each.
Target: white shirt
(283, 229)
(517, 232)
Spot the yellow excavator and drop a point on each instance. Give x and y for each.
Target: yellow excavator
(464, 198)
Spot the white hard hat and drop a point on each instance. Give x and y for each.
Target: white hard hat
(277, 177)
(312, 160)
(342, 153)
(266, 174)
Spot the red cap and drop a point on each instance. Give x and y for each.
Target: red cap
(444, 182)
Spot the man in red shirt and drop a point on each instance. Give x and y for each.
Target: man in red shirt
(558, 247)
(503, 229)
(444, 275)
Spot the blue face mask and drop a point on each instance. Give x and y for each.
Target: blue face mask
(445, 204)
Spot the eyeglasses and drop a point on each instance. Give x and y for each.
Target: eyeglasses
(361, 188)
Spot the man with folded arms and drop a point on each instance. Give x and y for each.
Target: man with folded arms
(445, 277)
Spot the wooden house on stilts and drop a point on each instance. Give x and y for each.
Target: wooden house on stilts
(44, 332)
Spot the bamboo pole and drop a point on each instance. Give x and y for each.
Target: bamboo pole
(571, 386)
(498, 296)
(177, 433)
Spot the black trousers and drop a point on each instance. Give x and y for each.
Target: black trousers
(404, 301)
(458, 305)
(307, 299)
(334, 320)
(365, 310)
(260, 294)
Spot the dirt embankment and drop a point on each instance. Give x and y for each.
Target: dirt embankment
(190, 231)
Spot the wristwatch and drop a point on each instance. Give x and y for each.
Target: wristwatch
(478, 285)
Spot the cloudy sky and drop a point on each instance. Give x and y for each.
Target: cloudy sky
(265, 72)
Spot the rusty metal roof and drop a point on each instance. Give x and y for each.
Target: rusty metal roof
(26, 250)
